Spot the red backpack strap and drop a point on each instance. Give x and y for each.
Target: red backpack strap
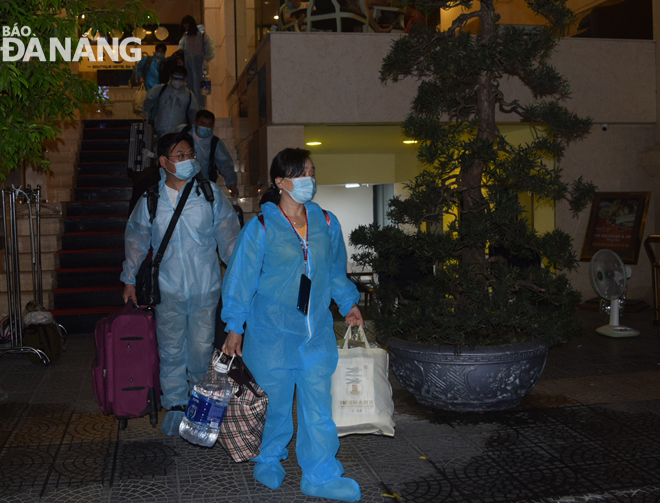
(327, 217)
(261, 219)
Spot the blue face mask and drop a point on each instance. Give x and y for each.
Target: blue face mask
(185, 169)
(304, 188)
(204, 132)
(159, 55)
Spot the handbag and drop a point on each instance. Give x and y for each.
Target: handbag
(147, 289)
(361, 392)
(140, 94)
(245, 417)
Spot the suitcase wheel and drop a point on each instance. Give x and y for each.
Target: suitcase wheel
(123, 423)
(153, 418)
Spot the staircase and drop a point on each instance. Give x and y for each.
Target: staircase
(92, 244)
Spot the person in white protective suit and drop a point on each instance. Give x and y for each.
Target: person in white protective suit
(212, 153)
(284, 348)
(171, 104)
(189, 277)
(198, 49)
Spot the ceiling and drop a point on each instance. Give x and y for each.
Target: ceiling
(342, 138)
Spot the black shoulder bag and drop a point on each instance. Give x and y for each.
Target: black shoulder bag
(146, 281)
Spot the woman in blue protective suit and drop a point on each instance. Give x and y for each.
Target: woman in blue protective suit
(293, 253)
(189, 277)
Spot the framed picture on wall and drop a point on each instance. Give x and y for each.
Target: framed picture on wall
(617, 222)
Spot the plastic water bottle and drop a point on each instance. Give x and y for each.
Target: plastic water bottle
(207, 405)
(205, 83)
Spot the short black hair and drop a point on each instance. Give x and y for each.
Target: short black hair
(168, 140)
(180, 69)
(205, 114)
(161, 46)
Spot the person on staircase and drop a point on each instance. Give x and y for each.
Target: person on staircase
(171, 104)
(148, 68)
(198, 49)
(212, 154)
(189, 277)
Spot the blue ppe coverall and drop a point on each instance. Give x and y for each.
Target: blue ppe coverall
(189, 281)
(222, 158)
(197, 50)
(173, 107)
(284, 348)
(150, 73)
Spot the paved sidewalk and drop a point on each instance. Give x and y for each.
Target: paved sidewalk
(589, 432)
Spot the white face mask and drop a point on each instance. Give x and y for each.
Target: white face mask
(177, 84)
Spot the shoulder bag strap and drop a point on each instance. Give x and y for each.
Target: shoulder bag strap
(173, 221)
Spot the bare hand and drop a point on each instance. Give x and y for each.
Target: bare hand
(354, 316)
(233, 190)
(129, 293)
(232, 344)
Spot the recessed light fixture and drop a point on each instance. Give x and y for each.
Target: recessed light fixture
(276, 16)
(409, 142)
(313, 143)
(352, 185)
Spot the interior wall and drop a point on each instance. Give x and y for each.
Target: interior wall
(609, 159)
(352, 207)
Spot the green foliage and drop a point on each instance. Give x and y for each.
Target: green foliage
(35, 95)
(489, 278)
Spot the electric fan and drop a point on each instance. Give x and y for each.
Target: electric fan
(608, 279)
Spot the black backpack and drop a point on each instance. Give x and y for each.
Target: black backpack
(213, 169)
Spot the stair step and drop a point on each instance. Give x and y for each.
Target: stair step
(84, 208)
(95, 223)
(27, 296)
(105, 144)
(86, 240)
(49, 262)
(82, 320)
(102, 193)
(88, 276)
(101, 257)
(102, 168)
(66, 298)
(108, 123)
(116, 133)
(47, 282)
(49, 226)
(103, 180)
(104, 155)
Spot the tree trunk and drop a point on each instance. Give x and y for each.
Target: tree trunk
(473, 200)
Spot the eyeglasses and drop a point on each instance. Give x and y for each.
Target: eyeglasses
(183, 157)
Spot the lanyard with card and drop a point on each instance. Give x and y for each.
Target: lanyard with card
(305, 288)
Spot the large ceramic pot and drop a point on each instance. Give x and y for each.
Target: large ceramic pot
(479, 379)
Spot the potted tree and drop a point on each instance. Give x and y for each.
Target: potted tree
(469, 296)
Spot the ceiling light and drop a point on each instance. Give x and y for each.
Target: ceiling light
(409, 142)
(276, 16)
(352, 185)
(313, 143)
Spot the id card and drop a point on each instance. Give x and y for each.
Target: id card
(303, 294)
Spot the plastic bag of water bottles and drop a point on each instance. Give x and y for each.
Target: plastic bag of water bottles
(207, 405)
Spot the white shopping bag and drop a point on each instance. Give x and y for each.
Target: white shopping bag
(138, 98)
(361, 392)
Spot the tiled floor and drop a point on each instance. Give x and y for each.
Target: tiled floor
(589, 432)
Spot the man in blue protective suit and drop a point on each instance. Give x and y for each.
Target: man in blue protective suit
(189, 277)
(149, 67)
(287, 266)
(212, 154)
(171, 104)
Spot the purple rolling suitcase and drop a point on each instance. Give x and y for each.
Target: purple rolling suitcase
(125, 370)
